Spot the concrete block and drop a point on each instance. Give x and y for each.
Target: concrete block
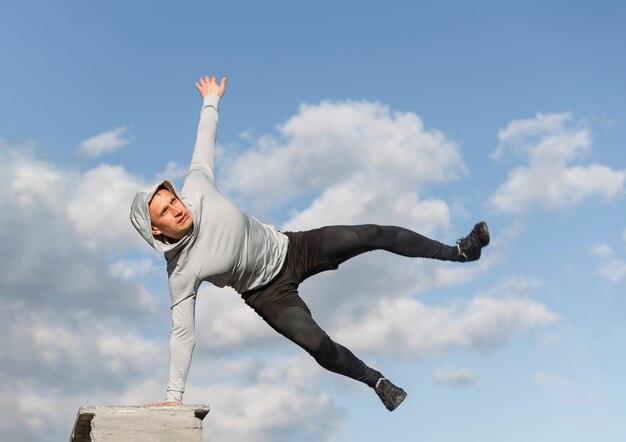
(139, 424)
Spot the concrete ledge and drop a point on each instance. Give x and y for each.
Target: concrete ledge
(139, 424)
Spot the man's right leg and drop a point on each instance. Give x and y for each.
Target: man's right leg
(341, 243)
(344, 242)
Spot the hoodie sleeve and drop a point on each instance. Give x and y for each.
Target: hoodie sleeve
(204, 150)
(182, 342)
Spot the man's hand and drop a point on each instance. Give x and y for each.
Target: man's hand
(208, 86)
(163, 404)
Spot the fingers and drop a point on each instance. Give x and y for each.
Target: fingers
(206, 80)
(201, 88)
(206, 85)
(222, 87)
(163, 404)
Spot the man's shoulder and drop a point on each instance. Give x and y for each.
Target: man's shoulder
(182, 277)
(199, 179)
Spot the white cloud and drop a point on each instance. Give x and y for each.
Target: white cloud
(33, 181)
(359, 201)
(173, 171)
(276, 399)
(602, 251)
(61, 311)
(216, 312)
(515, 286)
(359, 157)
(361, 283)
(552, 144)
(282, 404)
(105, 142)
(614, 270)
(50, 268)
(29, 415)
(270, 413)
(126, 269)
(454, 377)
(267, 408)
(98, 352)
(515, 135)
(98, 205)
(566, 390)
(610, 267)
(410, 328)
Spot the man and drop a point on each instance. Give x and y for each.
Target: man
(205, 237)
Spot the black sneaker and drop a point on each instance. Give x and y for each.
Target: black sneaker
(469, 247)
(391, 395)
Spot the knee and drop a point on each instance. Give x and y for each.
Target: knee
(380, 237)
(372, 233)
(326, 352)
(320, 346)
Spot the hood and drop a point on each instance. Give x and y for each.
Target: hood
(140, 217)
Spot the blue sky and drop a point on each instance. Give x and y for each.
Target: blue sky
(431, 115)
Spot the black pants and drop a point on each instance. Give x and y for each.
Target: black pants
(314, 251)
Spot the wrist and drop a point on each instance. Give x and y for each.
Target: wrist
(174, 396)
(211, 100)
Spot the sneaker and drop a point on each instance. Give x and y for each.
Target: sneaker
(469, 247)
(391, 395)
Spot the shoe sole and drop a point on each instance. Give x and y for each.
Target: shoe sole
(396, 405)
(485, 236)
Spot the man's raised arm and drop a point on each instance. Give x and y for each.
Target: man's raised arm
(204, 150)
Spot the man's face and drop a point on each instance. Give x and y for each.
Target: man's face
(169, 216)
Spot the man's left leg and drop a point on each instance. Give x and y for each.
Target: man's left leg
(297, 325)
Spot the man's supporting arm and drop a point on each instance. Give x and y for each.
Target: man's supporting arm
(182, 342)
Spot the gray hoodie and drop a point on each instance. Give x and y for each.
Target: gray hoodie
(225, 247)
